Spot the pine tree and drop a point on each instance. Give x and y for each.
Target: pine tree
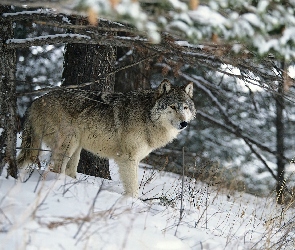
(8, 121)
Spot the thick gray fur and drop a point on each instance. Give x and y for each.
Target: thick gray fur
(124, 127)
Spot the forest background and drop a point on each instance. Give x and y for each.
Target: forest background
(238, 54)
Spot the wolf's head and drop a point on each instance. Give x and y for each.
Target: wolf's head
(174, 105)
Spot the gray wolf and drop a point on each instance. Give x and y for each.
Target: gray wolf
(125, 127)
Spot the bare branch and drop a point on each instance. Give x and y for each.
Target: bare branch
(209, 55)
(260, 158)
(48, 17)
(49, 39)
(34, 14)
(238, 133)
(87, 83)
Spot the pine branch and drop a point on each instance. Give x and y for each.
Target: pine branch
(209, 55)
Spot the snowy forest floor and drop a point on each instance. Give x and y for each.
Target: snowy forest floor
(90, 213)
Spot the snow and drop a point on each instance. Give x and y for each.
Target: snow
(205, 15)
(253, 19)
(178, 5)
(8, 41)
(39, 11)
(288, 34)
(262, 6)
(47, 212)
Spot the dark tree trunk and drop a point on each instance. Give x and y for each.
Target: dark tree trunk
(136, 77)
(8, 118)
(280, 141)
(85, 63)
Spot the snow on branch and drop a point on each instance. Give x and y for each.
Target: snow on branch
(26, 14)
(57, 4)
(49, 39)
(267, 29)
(209, 54)
(49, 17)
(75, 38)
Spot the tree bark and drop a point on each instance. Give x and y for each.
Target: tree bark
(136, 77)
(85, 63)
(280, 132)
(8, 118)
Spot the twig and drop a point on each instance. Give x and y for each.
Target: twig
(153, 198)
(72, 184)
(39, 180)
(89, 211)
(182, 186)
(206, 204)
(39, 149)
(181, 194)
(5, 218)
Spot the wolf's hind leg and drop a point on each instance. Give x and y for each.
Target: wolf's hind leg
(71, 169)
(62, 152)
(128, 173)
(30, 151)
(28, 156)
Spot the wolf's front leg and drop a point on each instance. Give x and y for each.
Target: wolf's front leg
(71, 169)
(128, 173)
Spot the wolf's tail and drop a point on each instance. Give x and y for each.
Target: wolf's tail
(26, 151)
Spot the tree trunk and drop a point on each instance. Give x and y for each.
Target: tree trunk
(85, 63)
(280, 141)
(8, 118)
(136, 77)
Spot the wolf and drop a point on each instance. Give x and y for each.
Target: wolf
(125, 127)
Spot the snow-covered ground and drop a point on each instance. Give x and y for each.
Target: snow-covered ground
(90, 213)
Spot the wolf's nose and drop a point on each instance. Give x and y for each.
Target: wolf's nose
(183, 125)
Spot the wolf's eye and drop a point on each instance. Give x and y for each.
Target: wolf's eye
(173, 107)
(185, 107)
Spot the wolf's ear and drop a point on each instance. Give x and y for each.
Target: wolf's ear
(164, 87)
(189, 89)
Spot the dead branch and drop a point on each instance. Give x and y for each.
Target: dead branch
(87, 83)
(238, 133)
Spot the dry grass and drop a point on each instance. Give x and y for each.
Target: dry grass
(215, 194)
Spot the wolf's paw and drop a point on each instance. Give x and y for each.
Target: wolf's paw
(132, 193)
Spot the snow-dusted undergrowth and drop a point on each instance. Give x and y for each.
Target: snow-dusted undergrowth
(91, 213)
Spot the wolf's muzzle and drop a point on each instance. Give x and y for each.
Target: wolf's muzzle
(183, 125)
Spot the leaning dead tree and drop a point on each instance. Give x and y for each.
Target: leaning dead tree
(169, 55)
